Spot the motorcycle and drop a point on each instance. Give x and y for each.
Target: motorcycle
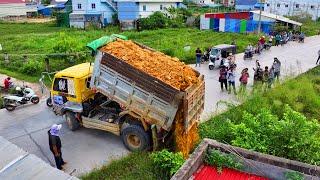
(24, 96)
(248, 54)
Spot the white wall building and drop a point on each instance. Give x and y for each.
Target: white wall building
(16, 8)
(293, 7)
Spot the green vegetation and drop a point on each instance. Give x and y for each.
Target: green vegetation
(265, 122)
(311, 28)
(220, 160)
(66, 47)
(293, 175)
(138, 166)
(167, 163)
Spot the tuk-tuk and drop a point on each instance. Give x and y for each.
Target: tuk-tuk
(220, 52)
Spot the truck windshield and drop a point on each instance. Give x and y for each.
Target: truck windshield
(64, 85)
(214, 52)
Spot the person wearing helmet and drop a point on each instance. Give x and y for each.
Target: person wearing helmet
(55, 145)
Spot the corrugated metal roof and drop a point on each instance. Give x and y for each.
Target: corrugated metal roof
(210, 173)
(277, 17)
(16, 163)
(246, 2)
(12, 1)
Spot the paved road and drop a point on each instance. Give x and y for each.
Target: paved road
(85, 149)
(295, 57)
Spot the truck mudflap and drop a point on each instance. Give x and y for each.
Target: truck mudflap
(143, 95)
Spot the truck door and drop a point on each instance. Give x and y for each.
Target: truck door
(63, 88)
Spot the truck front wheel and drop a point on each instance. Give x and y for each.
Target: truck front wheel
(135, 138)
(72, 122)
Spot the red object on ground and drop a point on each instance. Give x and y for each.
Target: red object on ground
(211, 173)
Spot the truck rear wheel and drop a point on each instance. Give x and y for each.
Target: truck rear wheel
(135, 138)
(72, 122)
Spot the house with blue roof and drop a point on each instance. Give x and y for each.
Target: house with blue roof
(96, 13)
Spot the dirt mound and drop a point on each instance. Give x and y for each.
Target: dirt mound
(168, 69)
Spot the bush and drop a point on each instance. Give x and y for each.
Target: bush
(32, 67)
(293, 136)
(155, 21)
(168, 162)
(220, 160)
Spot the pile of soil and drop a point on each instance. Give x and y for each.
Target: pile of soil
(168, 69)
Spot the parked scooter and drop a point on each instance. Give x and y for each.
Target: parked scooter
(24, 96)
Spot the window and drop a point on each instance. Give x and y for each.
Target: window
(286, 5)
(88, 82)
(79, 6)
(297, 6)
(268, 5)
(144, 8)
(312, 7)
(93, 5)
(278, 5)
(161, 7)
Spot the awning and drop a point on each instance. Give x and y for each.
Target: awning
(277, 17)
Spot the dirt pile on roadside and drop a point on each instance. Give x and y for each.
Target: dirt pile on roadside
(168, 69)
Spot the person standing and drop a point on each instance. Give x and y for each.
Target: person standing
(223, 78)
(265, 77)
(271, 77)
(55, 145)
(244, 80)
(231, 80)
(198, 56)
(7, 83)
(278, 38)
(277, 67)
(318, 60)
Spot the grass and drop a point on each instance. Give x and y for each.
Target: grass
(38, 40)
(311, 28)
(135, 166)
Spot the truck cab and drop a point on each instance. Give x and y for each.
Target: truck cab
(72, 97)
(72, 85)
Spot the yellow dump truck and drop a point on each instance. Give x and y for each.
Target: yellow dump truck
(114, 96)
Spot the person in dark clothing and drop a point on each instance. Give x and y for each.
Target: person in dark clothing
(198, 56)
(55, 145)
(223, 78)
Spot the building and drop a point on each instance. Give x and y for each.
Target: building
(245, 5)
(210, 3)
(293, 7)
(228, 3)
(16, 8)
(243, 22)
(131, 10)
(92, 13)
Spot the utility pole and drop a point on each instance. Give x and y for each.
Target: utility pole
(259, 23)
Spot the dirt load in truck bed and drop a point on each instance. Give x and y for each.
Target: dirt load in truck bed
(168, 69)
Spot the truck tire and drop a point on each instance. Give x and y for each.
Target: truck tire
(49, 102)
(135, 138)
(72, 122)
